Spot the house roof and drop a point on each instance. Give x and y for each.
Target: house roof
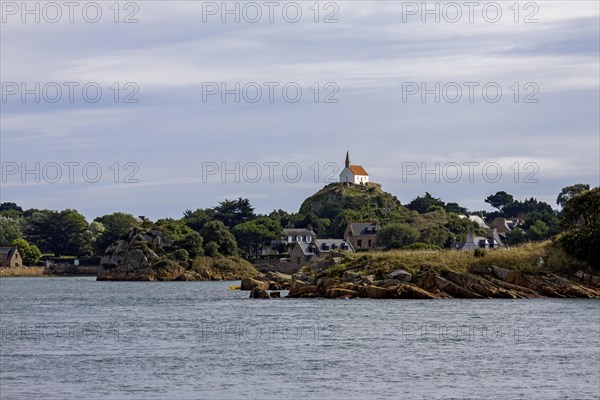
(7, 252)
(478, 220)
(307, 248)
(337, 242)
(360, 228)
(358, 170)
(299, 232)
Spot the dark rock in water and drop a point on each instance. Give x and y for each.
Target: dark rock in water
(190, 276)
(258, 293)
(249, 284)
(340, 293)
(275, 295)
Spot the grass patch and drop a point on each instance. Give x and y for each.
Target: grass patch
(523, 259)
(228, 268)
(22, 272)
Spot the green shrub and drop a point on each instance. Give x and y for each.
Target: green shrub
(421, 246)
(181, 255)
(479, 253)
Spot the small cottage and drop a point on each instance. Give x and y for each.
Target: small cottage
(318, 250)
(361, 235)
(491, 241)
(10, 257)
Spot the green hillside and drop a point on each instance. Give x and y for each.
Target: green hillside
(336, 197)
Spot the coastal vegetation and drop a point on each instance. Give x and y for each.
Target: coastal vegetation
(217, 241)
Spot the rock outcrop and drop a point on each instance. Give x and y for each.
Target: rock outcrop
(268, 281)
(490, 282)
(136, 259)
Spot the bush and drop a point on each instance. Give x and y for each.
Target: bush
(479, 253)
(395, 236)
(181, 255)
(29, 252)
(421, 246)
(211, 249)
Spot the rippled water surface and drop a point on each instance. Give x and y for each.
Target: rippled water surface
(75, 338)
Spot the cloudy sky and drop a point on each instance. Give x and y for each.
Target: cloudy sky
(188, 92)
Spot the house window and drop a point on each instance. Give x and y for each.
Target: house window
(359, 243)
(298, 260)
(290, 239)
(369, 242)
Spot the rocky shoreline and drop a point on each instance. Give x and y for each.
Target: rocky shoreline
(146, 256)
(485, 282)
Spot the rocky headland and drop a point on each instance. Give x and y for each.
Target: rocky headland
(146, 256)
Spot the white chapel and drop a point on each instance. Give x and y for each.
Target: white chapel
(354, 173)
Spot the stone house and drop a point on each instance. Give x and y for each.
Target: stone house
(288, 239)
(361, 235)
(318, 250)
(10, 257)
(491, 241)
(504, 225)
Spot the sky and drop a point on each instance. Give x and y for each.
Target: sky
(187, 103)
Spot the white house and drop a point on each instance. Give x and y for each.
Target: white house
(354, 173)
(491, 241)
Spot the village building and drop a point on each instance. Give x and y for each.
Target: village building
(297, 235)
(318, 250)
(288, 239)
(355, 174)
(477, 219)
(10, 257)
(504, 225)
(361, 235)
(491, 241)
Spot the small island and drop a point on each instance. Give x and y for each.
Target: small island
(351, 239)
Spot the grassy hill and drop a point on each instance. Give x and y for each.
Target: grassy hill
(336, 197)
(339, 204)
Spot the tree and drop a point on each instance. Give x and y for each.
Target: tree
(116, 226)
(285, 219)
(30, 252)
(541, 225)
(422, 203)
(216, 232)
(93, 234)
(196, 219)
(11, 210)
(61, 233)
(233, 212)
(569, 192)
(455, 208)
(252, 236)
(339, 224)
(395, 236)
(499, 200)
(312, 221)
(182, 237)
(538, 231)
(581, 221)
(435, 235)
(10, 229)
(521, 209)
(516, 236)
